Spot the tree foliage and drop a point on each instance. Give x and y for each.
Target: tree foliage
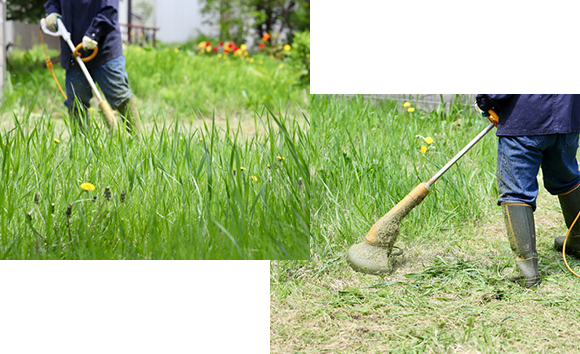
(30, 11)
(238, 19)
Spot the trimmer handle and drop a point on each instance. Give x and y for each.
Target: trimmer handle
(62, 32)
(492, 116)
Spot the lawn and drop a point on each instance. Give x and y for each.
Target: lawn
(447, 292)
(222, 171)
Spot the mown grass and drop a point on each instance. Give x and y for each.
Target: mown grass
(198, 185)
(447, 292)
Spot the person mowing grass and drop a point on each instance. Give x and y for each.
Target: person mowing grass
(94, 23)
(535, 131)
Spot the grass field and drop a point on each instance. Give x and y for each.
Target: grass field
(447, 292)
(222, 171)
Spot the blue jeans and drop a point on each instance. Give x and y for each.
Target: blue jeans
(111, 77)
(519, 159)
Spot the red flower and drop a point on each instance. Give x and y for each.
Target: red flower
(215, 49)
(236, 48)
(261, 45)
(207, 44)
(266, 36)
(221, 43)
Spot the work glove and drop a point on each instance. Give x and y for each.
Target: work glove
(485, 104)
(51, 21)
(88, 43)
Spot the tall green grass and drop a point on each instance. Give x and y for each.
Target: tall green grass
(368, 158)
(207, 193)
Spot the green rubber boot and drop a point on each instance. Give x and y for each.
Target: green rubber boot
(519, 221)
(130, 113)
(570, 203)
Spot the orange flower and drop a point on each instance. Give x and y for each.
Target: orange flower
(266, 36)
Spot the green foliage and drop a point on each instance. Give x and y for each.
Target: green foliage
(300, 55)
(239, 18)
(30, 11)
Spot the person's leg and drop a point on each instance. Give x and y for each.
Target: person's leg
(562, 178)
(79, 94)
(518, 164)
(519, 221)
(114, 82)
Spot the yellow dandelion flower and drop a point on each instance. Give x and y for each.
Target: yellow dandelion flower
(410, 109)
(242, 168)
(406, 104)
(280, 66)
(5, 144)
(176, 50)
(268, 166)
(260, 62)
(200, 139)
(287, 47)
(280, 158)
(251, 60)
(254, 178)
(243, 47)
(87, 186)
(56, 140)
(219, 55)
(423, 149)
(429, 140)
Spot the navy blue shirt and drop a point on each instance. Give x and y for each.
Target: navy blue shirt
(97, 19)
(521, 115)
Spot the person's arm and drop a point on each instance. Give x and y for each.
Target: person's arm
(53, 12)
(487, 102)
(103, 23)
(52, 6)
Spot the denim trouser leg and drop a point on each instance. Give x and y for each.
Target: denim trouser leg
(111, 77)
(520, 158)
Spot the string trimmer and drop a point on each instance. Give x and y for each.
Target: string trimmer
(61, 31)
(372, 256)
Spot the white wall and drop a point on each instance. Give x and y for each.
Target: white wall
(178, 20)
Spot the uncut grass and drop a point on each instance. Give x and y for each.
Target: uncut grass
(369, 158)
(447, 292)
(183, 199)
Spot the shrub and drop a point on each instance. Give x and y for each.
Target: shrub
(300, 55)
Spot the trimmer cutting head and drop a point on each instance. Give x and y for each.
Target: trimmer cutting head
(368, 259)
(373, 255)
